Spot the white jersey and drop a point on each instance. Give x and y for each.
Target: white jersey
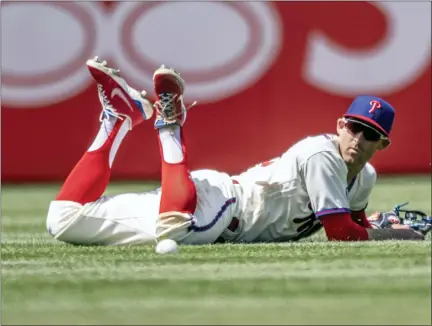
(274, 201)
(283, 198)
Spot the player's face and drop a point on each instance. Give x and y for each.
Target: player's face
(357, 142)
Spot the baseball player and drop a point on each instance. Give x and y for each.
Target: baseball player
(321, 181)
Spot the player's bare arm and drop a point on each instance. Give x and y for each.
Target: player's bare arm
(394, 234)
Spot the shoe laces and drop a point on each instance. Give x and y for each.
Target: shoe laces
(108, 110)
(165, 106)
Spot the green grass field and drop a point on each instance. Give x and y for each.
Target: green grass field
(311, 282)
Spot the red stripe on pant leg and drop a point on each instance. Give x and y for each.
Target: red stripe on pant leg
(90, 176)
(178, 189)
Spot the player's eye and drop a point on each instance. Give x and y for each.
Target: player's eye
(355, 128)
(368, 133)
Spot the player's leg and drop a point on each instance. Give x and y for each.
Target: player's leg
(179, 198)
(192, 210)
(128, 218)
(123, 109)
(219, 200)
(90, 176)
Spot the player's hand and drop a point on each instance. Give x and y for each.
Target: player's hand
(413, 220)
(384, 220)
(416, 235)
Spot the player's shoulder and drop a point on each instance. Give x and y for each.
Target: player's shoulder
(323, 145)
(368, 176)
(319, 143)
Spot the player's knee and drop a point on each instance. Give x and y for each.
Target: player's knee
(61, 215)
(173, 225)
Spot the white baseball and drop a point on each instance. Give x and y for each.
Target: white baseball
(167, 246)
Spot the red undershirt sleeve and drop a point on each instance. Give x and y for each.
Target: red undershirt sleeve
(340, 227)
(360, 218)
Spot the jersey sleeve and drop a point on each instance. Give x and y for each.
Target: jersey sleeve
(325, 178)
(366, 183)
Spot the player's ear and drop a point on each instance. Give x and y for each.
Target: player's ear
(340, 125)
(384, 143)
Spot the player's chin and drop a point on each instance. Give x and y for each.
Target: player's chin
(357, 161)
(351, 159)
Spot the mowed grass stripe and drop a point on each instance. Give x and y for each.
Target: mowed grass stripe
(210, 302)
(187, 288)
(223, 310)
(15, 270)
(33, 240)
(228, 253)
(31, 223)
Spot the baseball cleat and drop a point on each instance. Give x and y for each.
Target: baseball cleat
(169, 106)
(118, 99)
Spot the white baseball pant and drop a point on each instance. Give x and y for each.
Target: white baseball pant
(131, 218)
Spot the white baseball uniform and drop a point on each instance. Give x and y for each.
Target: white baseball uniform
(273, 202)
(131, 218)
(284, 199)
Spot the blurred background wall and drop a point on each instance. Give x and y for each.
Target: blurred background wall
(265, 74)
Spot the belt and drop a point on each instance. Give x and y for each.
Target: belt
(234, 224)
(232, 227)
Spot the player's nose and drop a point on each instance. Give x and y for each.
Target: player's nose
(359, 137)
